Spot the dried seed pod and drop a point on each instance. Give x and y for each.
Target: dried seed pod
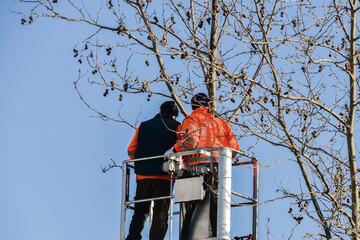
(208, 20)
(201, 23)
(272, 102)
(110, 4)
(321, 67)
(106, 92)
(126, 86)
(108, 50)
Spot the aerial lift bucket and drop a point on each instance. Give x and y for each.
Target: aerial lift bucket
(193, 190)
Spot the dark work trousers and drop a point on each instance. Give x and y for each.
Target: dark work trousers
(150, 188)
(190, 207)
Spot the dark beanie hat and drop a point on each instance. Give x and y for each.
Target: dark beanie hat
(199, 100)
(169, 108)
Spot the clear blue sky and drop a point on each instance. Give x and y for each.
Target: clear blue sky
(51, 184)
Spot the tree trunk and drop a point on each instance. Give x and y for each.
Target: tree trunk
(211, 84)
(350, 126)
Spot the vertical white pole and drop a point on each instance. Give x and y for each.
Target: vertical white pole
(224, 197)
(171, 206)
(151, 214)
(123, 204)
(256, 197)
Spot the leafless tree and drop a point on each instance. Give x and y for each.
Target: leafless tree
(305, 98)
(282, 72)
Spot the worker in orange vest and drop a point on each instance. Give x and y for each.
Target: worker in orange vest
(203, 129)
(153, 138)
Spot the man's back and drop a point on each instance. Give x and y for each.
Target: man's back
(155, 136)
(152, 138)
(202, 129)
(208, 130)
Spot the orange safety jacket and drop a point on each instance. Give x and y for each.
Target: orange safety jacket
(131, 153)
(202, 129)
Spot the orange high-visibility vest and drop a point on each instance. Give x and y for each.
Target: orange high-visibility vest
(202, 129)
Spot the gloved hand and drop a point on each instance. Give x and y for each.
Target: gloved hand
(169, 154)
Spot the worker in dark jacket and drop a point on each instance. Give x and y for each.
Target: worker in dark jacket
(153, 138)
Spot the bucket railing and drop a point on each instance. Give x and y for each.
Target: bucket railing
(226, 195)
